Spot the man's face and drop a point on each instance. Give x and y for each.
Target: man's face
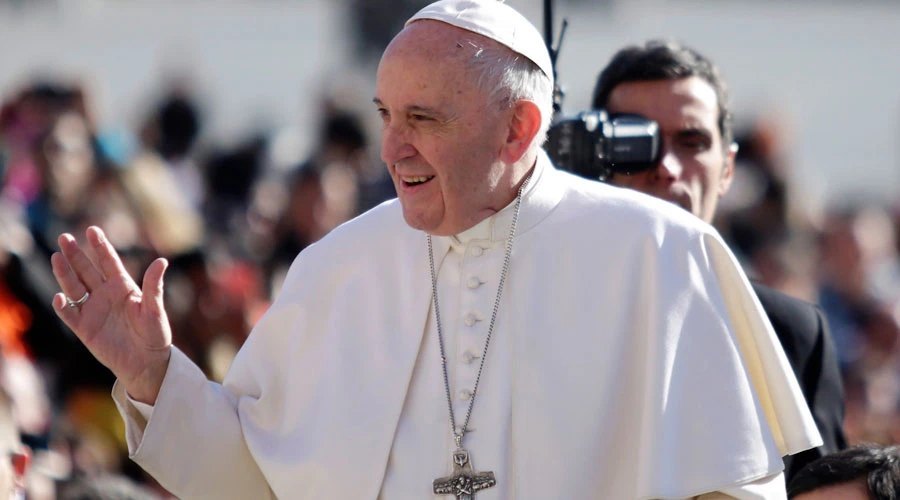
(441, 137)
(694, 171)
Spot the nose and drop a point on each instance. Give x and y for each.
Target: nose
(395, 144)
(669, 166)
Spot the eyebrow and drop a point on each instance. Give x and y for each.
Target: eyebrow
(415, 109)
(693, 132)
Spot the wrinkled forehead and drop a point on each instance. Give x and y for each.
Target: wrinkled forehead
(438, 41)
(429, 64)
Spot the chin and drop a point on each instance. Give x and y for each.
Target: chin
(680, 201)
(423, 216)
(413, 222)
(417, 220)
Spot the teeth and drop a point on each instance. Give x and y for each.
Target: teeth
(415, 180)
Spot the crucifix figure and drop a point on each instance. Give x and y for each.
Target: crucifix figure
(464, 481)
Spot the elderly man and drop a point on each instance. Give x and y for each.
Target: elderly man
(685, 94)
(482, 337)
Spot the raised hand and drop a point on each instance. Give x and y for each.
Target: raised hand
(124, 326)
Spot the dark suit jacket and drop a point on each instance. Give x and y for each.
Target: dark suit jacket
(804, 334)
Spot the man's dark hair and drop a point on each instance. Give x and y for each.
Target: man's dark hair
(664, 60)
(877, 466)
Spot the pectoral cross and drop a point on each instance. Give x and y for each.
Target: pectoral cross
(464, 481)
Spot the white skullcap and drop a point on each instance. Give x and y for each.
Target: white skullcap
(495, 20)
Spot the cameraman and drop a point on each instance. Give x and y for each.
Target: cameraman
(684, 93)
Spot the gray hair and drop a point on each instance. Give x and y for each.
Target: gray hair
(507, 77)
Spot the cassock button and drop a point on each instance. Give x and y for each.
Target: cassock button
(473, 283)
(471, 319)
(477, 250)
(465, 394)
(469, 356)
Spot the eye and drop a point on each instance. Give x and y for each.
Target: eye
(420, 118)
(383, 113)
(694, 142)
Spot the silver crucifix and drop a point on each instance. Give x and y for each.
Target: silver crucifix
(464, 481)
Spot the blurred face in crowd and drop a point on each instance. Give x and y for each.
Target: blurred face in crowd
(69, 158)
(441, 136)
(855, 490)
(695, 169)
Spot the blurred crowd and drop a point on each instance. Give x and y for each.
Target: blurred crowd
(228, 218)
(231, 219)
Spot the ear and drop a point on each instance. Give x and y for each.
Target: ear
(524, 123)
(728, 170)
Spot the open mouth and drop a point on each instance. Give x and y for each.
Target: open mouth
(416, 180)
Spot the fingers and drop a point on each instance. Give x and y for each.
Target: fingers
(107, 258)
(75, 273)
(70, 283)
(152, 290)
(80, 265)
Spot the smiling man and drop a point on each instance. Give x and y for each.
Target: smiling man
(457, 156)
(481, 337)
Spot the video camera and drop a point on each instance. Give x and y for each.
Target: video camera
(595, 144)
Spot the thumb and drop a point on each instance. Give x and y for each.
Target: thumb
(152, 287)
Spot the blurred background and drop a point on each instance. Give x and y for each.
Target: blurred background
(227, 136)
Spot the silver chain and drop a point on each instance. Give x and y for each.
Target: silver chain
(458, 436)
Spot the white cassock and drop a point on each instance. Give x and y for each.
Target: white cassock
(629, 360)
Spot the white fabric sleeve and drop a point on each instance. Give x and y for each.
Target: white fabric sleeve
(768, 488)
(192, 443)
(135, 414)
